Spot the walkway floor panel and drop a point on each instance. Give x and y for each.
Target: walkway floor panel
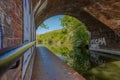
(48, 66)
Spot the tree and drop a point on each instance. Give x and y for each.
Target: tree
(79, 38)
(43, 25)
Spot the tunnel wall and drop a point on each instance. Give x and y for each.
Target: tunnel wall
(10, 23)
(11, 31)
(16, 28)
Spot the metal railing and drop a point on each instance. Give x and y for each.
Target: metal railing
(107, 51)
(9, 58)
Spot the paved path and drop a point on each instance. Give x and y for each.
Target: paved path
(49, 67)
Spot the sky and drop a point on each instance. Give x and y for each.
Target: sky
(52, 22)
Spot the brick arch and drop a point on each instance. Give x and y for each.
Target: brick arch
(98, 30)
(100, 24)
(105, 11)
(101, 18)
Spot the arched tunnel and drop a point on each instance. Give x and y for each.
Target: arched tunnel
(20, 18)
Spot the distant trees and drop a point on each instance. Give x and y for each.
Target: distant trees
(54, 37)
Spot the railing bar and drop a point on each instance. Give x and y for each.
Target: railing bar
(107, 51)
(8, 58)
(4, 50)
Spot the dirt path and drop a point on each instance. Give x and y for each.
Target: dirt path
(49, 67)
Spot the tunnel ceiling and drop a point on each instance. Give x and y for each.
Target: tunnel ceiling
(106, 11)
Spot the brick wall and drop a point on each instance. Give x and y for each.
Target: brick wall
(11, 31)
(11, 22)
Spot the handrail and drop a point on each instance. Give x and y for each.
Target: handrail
(9, 58)
(4, 50)
(107, 51)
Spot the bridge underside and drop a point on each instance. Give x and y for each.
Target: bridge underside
(101, 17)
(105, 11)
(20, 18)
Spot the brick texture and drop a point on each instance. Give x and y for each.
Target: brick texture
(11, 11)
(11, 22)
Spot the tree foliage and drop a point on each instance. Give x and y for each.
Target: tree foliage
(43, 25)
(79, 37)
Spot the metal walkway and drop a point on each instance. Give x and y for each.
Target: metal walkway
(49, 67)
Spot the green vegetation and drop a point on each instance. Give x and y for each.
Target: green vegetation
(70, 42)
(108, 71)
(78, 35)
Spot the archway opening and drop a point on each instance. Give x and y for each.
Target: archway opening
(68, 38)
(70, 43)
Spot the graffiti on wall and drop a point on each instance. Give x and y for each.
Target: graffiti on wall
(95, 43)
